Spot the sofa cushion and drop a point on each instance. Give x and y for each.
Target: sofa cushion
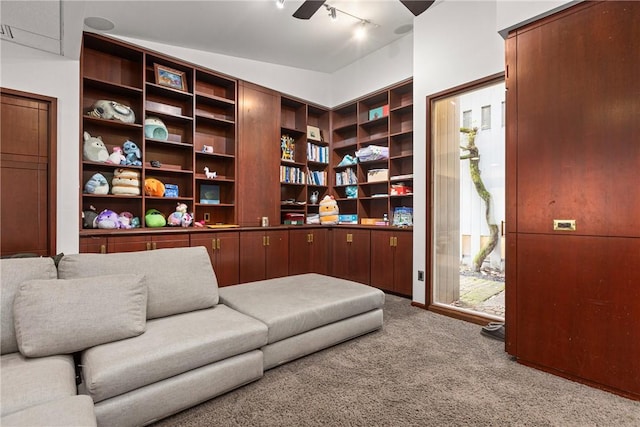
(170, 346)
(28, 382)
(179, 279)
(69, 411)
(295, 304)
(64, 316)
(14, 272)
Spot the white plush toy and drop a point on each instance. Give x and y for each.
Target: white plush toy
(94, 149)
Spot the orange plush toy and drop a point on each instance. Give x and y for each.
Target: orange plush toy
(153, 187)
(328, 210)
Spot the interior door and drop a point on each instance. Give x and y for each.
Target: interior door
(27, 173)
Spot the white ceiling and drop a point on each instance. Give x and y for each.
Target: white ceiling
(253, 29)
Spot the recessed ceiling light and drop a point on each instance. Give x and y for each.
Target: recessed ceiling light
(97, 23)
(403, 29)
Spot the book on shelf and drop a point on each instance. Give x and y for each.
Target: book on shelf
(317, 178)
(346, 177)
(292, 175)
(317, 153)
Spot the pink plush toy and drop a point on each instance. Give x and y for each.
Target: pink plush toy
(117, 157)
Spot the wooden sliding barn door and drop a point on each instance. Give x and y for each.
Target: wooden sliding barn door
(573, 195)
(27, 173)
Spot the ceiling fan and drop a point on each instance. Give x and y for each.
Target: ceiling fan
(310, 7)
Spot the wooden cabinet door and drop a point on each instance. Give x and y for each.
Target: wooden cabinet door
(177, 240)
(277, 254)
(258, 155)
(578, 308)
(224, 250)
(351, 254)
(403, 263)
(252, 256)
(128, 243)
(93, 245)
(320, 247)
(308, 250)
(382, 260)
(300, 251)
(392, 261)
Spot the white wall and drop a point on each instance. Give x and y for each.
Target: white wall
(40, 72)
(386, 66)
(456, 42)
(308, 85)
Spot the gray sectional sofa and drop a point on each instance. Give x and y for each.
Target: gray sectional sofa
(126, 339)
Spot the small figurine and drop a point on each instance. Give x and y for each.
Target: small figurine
(209, 175)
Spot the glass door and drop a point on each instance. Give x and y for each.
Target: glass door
(468, 199)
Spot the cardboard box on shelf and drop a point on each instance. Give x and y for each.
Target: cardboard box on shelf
(377, 175)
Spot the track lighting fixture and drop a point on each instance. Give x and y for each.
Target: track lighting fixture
(280, 4)
(332, 13)
(360, 31)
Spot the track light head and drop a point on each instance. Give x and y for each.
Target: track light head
(360, 31)
(332, 14)
(280, 4)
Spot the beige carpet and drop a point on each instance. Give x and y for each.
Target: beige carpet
(421, 369)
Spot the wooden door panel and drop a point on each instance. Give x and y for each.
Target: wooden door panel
(252, 257)
(128, 243)
(403, 264)
(382, 264)
(359, 261)
(578, 122)
(162, 241)
(24, 192)
(226, 265)
(258, 155)
(277, 254)
(27, 176)
(319, 251)
(578, 305)
(300, 252)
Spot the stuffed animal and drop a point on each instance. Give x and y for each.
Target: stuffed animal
(187, 219)
(112, 110)
(155, 128)
(108, 219)
(116, 157)
(208, 174)
(153, 187)
(125, 219)
(89, 218)
(125, 182)
(328, 210)
(94, 149)
(154, 218)
(175, 219)
(133, 156)
(97, 184)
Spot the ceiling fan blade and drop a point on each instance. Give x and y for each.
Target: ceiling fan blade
(308, 8)
(417, 6)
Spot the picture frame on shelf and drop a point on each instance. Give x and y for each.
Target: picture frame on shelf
(209, 194)
(171, 78)
(313, 133)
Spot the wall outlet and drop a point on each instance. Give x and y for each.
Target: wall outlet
(421, 275)
(207, 217)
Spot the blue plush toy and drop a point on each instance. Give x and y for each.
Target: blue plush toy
(132, 153)
(97, 184)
